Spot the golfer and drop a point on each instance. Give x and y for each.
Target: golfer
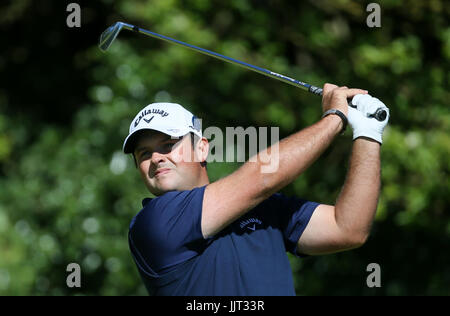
(230, 237)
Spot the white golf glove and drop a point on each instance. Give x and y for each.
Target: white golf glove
(359, 119)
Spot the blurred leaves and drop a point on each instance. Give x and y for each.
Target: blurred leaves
(67, 193)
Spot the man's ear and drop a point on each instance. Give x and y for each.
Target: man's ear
(202, 149)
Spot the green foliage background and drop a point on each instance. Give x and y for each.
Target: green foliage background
(67, 193)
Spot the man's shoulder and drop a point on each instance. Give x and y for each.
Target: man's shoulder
(275, 199)
(170, 202)
(279, 197)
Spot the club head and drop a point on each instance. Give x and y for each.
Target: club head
(109, 35)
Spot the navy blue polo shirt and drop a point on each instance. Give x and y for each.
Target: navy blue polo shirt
(246, 258)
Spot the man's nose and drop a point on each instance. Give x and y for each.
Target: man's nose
(158, 157)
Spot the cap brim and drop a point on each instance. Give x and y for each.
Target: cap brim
(130, 141)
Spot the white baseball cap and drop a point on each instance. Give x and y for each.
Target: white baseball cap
(169, 118)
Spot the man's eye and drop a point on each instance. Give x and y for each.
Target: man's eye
(168, 146)
(145, 154)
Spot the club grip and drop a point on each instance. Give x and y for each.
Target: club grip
(315, 90)
(380, 114)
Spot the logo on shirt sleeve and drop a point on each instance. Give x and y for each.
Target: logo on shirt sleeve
(250, 224)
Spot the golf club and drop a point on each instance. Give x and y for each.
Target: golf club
(110, 34)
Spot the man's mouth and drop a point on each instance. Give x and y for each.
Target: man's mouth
(161, 171)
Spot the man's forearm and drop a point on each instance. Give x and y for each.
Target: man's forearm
(248, 186)
(357, 203)
(298, 151)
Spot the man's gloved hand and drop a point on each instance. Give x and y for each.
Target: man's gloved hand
(363, 125)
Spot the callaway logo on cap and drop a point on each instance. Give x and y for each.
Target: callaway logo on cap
(168, 118)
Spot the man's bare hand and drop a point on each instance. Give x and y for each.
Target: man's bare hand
(335, 97)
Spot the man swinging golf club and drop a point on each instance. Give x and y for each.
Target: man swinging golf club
(230, 237)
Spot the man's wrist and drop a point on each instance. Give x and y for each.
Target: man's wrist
(337, 116)
(367, 140)
(372, 136)
(335, 122)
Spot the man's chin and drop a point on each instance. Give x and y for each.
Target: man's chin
(160, 189)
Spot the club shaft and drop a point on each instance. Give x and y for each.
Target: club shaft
(379, 115)
(299, 84)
